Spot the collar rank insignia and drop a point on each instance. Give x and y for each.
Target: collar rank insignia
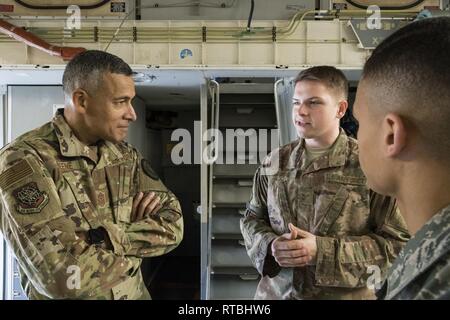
(30, 199)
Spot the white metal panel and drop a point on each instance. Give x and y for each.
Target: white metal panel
(324, 30)
(123, 50)
(180, 43)
(39, 57)
(215, 56)
(352, 56)
(323, 54)
(239, 9)
(13, 53)
(154, 51)
(31, 100)
(256, 54)
(291, 53)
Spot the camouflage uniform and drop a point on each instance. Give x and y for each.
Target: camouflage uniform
(355, 227)
(52, 186)
(422, 270)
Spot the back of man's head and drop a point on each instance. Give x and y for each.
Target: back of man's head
(408, 74)
(85, 71)
(334, 79)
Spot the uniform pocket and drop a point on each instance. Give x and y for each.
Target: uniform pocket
(125, 201)
(347, 212)
(280, 212)
(334, 210)
(120, 183)
(82, 199)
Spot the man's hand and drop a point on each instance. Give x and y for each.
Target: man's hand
(144, 205)
(295, 249)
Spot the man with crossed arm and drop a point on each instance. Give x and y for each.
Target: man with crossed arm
(80, 207)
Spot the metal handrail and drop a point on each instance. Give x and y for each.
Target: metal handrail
(277, 107)
(215, 101)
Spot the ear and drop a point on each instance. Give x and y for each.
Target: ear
(342, 108)
(394, 134)
(80, 100)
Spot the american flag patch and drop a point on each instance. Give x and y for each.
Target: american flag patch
(20, 170)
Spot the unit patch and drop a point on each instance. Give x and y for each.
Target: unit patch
(30, 199)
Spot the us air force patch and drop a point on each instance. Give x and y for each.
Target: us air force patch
(148, 169)
(30, 199)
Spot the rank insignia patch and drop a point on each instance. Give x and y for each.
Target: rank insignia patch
(30, 199)
(101, 199)
(148, 170)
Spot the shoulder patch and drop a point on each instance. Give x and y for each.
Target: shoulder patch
(145, 164)
(30, 199)
(17, 172)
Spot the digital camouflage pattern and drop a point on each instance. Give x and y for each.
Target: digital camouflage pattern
(355, 227)
(422, 269)
(53, 186)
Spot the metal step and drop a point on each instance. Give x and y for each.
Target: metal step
(245, 88)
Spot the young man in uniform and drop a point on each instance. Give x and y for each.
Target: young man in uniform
(403, 107)
(313, 229)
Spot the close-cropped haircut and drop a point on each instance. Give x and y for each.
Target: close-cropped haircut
(408, 73)
(86, 70)
(329, 76)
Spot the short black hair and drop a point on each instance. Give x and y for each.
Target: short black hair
(410, 71)
(86, 70)
(329, 76)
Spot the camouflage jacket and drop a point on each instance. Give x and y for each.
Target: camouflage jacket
(53, 186)
(356, 228)
(422, 270)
